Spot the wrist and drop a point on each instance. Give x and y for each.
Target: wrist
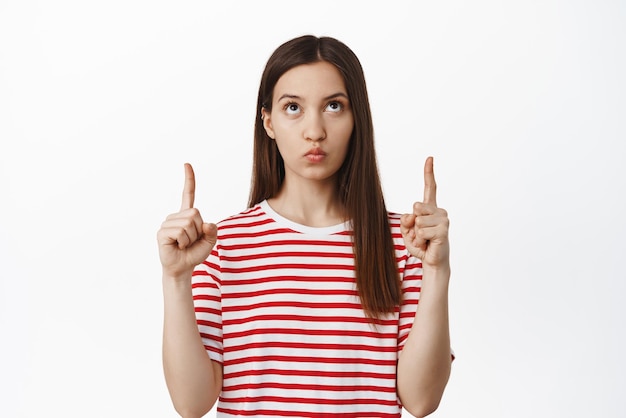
(176, 282)
(440, 269)
(439, 274)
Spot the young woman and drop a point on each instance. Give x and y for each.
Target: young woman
(304, 305)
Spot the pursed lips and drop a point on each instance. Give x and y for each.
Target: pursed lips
(315, 155)
(315, 151)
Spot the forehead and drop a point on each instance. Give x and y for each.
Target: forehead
(319, 79)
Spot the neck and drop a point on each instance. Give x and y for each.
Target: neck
(312, 204)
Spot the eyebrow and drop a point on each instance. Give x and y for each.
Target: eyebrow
(332, 96)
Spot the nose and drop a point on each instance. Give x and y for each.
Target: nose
(314, 129)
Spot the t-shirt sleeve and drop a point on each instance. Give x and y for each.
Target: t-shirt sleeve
(411, 287)
(207, 300)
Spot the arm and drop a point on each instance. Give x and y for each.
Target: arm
(194, 381)
(425, 361)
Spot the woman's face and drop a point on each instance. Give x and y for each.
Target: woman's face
(311, 121)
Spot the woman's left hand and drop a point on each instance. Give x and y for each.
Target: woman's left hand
(425, 231)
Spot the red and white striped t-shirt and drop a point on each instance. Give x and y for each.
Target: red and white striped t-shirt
(276, 304)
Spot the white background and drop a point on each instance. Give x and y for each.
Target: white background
(522, 103)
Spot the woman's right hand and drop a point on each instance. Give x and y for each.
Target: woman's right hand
(184, 239)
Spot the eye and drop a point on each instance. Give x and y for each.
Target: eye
(334, 107)
(292, 108)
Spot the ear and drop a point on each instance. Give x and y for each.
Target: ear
(267, 122)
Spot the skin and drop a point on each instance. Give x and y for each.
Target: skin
(425, 361)
(310, 115)
(194, 381)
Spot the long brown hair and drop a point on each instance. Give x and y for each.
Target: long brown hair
(359, 186)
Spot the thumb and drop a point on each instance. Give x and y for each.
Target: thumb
(209, 233)
(407, 221)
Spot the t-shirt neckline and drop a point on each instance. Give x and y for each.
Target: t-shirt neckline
(305, 229)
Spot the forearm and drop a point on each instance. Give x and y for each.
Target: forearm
(193, 380)
(425, 361)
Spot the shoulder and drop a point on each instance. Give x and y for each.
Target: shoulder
(394, 220)
(250, 223)
(394, 225)
(246, 216)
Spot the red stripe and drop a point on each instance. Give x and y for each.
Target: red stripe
(256, 234)
(315, 254)
(303, 359)
(273, 412)
(207, 310)
(245, 224)
(322, 332)
(311, 279)
(213, 349)
(416, 265)
(308, 318)
(286, 290)
(205, 273)
(215, 338)
(290, 372)
(288, 243)
(312, 401)
(292, 304)
(306, 266)
(407, 315)
(312, 346)
(209, 324)
(248, 213)
(211, 298)
(309, 387)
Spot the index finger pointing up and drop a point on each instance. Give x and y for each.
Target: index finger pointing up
(189, 191)
(430, 187)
